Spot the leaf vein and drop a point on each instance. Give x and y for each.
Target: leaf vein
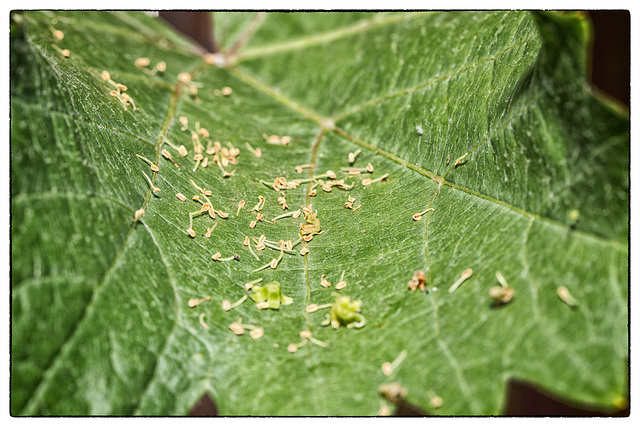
(359, 27)
(327, 123)
(464, 386)
(412, 89)
(515, 116)
(56, 359)
(527, 272)
(246, 34)
(176, 296)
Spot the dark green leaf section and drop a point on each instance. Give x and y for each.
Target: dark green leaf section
(100, 316)
(389, 56)
(35, 343)
(596, 135)
(72, 205)
(498, 100)
(123, 330)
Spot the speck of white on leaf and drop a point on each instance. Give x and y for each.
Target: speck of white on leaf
(419, 129)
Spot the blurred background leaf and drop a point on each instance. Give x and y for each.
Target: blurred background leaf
(100, 316)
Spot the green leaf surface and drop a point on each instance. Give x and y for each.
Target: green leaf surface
(101, 321)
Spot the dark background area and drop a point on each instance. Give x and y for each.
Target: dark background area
(610, 74)
(611, 55)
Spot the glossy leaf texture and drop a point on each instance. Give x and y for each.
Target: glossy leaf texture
(484, 117)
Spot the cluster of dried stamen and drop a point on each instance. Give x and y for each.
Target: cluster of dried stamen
(222, 156)
(120, 91)
(207, 208)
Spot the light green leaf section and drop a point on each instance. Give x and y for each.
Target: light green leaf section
(100, 317)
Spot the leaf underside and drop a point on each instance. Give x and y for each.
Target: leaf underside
(100, 316)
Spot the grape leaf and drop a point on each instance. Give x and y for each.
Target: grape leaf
(481, 120)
